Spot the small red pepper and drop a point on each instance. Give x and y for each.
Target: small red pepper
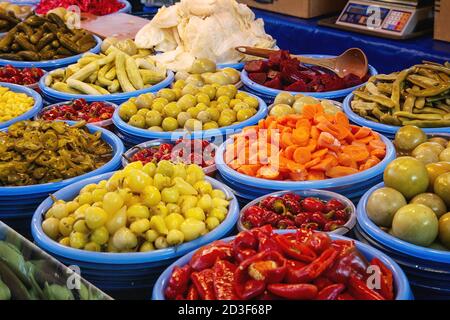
(223, 280)
(359, 289)
(319, 242)
(244, 254)
(178, 282)
(295, 250)
(192, 293)
(314, 269)
(322, 282)
(207, 256)
(345, 296)
(204, 283)
(245, 240)
(387, 279)
(299, 291)
(331, 292)
(347, 263)
(267, 243)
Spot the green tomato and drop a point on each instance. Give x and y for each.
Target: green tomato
(383, 204)
(409, 137)
(170, 124)
(415, 223)
(442, 187)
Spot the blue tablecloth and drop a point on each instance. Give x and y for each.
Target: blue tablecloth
(304, 36)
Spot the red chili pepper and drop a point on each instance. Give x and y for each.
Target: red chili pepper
(223, 280)
(314, 269)
(322, 282)
(387, 279)
(345, 296)
(299, 291)
(295, 250)
(331, 292)
(319, 242)
(192, 293)
(204, 283)
(349, 262)
(313, 205)
(359, 289)
(207, 256)
(245, 240)
(178, 282)
(267, 243)
(244, 254)
(334, 205)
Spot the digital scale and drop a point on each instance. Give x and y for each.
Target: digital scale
(396, 19)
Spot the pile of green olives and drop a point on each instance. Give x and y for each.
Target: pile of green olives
(189, 107)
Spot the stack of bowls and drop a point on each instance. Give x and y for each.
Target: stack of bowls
(403, 291)
(30, 113)
(353, 186)
(427, 269)
(52, 64)
(269, 94)
(387, 130)
(53, 96)
(133, 135)
(18, 203)
(116, 273)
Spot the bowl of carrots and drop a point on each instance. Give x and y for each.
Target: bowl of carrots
(311, 150)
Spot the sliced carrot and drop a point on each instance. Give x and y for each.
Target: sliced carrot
(346, 160)
(333, 158)
(309, 111)
(302, 155)
(249, 169)
(300, 136)
(327, 140)
(298, 176)
(358, 153)
(342, 120)
(316, 175)
(324, 165)
(379, 153)
(286, 140)
(365, 140)
(313, 162)
(377, 144)
(312, 145)
(320, 153)
(315, 133)
(362, 133)
(340, 171)
(289, 151)
(268, 172)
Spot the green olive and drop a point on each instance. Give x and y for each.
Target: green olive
(432, 201)
(416, 224)
(407, 175)
(383, 204)
(284, 98)
(409, 137)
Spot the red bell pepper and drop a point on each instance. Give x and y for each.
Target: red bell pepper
(207, 256)
(299, 291)
(192, 293)
(387, 279)
(349, 262)
(223, 280)
(295, 250)
(245, 240)
(204, 283)
(322, 282)
(314, 269)
(331, 292)
(268, 243)
(178, 282)
(244, 254)
(359, 289)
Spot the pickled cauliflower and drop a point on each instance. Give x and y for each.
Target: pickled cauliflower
(207, 29)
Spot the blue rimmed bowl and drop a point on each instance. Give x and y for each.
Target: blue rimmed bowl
(428, 269)
(123, 271)
(141, 135)
(269, 94)
(52, 64)
(18, 203)
(54, 96)
(388, 130)
(352, 186)
(31, 112)
(403, 290)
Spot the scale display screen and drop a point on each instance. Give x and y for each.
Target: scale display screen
(358, 14)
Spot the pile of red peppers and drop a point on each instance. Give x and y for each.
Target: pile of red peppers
(259, 264)
(96, 7)
(291, 211)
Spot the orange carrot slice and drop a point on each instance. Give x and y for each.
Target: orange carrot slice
(268, 172)
(327, 140)
(316, 175)
(358, 153)
(289, 151)
(340, 171)
(320, 153)
(302, 155)
(300, 136)
(313, 162)
(324, 165)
